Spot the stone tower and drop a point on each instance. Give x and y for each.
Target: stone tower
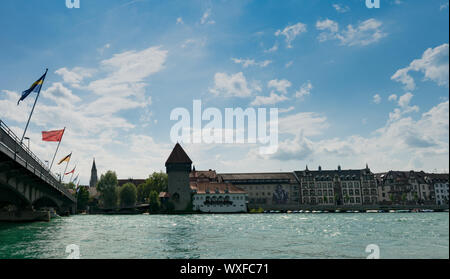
(94, 178)
(178, 168)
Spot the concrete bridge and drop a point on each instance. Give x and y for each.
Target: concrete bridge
(26, 182)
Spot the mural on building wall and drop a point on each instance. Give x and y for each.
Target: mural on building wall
(280, 196)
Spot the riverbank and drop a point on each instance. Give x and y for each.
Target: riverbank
(143, 209)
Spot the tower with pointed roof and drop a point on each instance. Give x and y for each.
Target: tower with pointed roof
(178, 168)
(94, 178)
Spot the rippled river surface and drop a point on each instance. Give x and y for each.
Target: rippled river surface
(398, 235)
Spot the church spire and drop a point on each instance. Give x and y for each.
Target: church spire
(94, 178)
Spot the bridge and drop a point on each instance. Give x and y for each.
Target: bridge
(26, 182)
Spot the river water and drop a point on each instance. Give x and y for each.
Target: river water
(398, 235)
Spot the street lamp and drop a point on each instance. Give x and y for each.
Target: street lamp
(28, 139)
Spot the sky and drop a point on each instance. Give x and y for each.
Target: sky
(352, 85)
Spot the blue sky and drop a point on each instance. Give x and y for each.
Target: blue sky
(352, 84)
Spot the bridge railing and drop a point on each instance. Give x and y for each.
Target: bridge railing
(21, 151)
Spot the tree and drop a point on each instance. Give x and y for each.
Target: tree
(155, 203)
(157, 182)
(70, 185)
(107, 187)
(82, 198)
(127, 195)
(140, 198)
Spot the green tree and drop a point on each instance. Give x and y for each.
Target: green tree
(157, 182)
(155, 203)
(141, 198)
(70, 185)
(107, 186)
(82, 198)
(128, 194)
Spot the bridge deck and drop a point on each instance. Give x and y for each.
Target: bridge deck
(16, 151)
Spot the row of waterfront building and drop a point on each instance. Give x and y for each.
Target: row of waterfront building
(209, 191)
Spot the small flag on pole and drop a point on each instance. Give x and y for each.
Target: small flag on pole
(35, 87)
(72, 171)
(76, 178)
(65, 159)
(54, 136)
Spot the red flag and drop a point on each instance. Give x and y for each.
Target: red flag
(53, 135)
(73, 171)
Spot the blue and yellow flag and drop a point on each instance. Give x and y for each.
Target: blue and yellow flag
(35, 87)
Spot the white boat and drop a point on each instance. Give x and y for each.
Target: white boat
(427, 210)
(371, 211)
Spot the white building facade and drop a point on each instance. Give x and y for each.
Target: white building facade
(212, 197)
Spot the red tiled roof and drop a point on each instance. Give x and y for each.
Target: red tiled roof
(198, 176)
(213, 187)
(178, 156)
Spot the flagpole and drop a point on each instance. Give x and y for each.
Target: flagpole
(57, 149)
(73, 173)
(35, 101)
(64, 174)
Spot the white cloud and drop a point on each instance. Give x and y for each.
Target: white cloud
(443, 6)
(234, 85)
(272, 49)
(289, 64)
(280, 85)
(377, 99)
(309, 123)
(365, 33)
(291, 32)
(251, 62)
(180, 20)
(433, 64)
(103, 48)
(298, 148)
(269, 100)
(341, 8)
(206, 18)
(403, 103)
(392, 97)
(401, 144)
(286, 110)
(404, 100)
(75, 76)
(61, 95)
(304, 90)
